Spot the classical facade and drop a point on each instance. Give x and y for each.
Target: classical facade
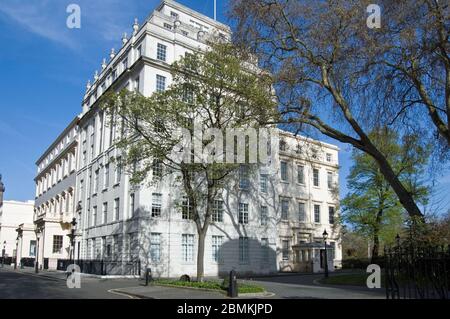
(55, 196)
(17, 237)
(266, 221)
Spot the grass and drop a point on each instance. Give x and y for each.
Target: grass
(359, 279)
(213, 285)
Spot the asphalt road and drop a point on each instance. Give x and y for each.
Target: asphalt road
(293, 286)
(24, 285)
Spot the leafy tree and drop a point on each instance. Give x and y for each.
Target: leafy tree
(214, 89)
(335, 75)
(371, 206)
(353, 244)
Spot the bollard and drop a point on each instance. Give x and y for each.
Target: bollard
(148, 276)
(232, 285)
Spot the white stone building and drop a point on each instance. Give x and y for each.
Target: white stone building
(17, 236)
(55, 201)
(271, 220)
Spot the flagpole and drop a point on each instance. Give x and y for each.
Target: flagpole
(215, 10)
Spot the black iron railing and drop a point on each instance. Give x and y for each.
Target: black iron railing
(417, 272)
(103, 267)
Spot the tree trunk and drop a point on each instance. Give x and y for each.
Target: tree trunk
(201, 255)
(376, 247)
(365, 145)
(405, 197)
(376, 238)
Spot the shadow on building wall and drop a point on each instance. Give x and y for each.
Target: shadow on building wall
(247, 257)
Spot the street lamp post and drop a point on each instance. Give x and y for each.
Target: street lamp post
(325, 236)
(3, 253)
(17, 250)
(36, 262)
(72, 239)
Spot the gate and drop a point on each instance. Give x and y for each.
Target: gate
(417, 272)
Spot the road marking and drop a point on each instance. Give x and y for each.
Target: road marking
(117, 292)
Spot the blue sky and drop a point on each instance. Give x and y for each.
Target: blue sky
(44, 69)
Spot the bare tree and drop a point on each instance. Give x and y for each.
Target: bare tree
(322, 55)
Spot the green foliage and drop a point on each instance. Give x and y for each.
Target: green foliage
(214, 88)
(219, 89)
(372, 207)
(213, 285)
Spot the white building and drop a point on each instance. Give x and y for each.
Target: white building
(17, 237)
(55, 201)
(269, 221)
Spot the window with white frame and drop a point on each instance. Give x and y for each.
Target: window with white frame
(329, 157)
(116, 209)
(155, 247)
(243, 213)
(187, 209)
(317, 213)
(118, 171)
(244, 181)
(157, 167)
(106, 176)
(156, 204)
(161, 51)
(216, 244)
(330, 180)
(316, 177)
(243, 250)
(217, 215)
(284, 171)
(94, 216)
(57, 244)
(263, 183)
(300, 174)
(160, 83)
(105, 213)
(187, 246)
(331, 213)
(264, 215)
(284, 208)
(301, 212)
(96, 173)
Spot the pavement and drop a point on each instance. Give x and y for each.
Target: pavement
(25, 284)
